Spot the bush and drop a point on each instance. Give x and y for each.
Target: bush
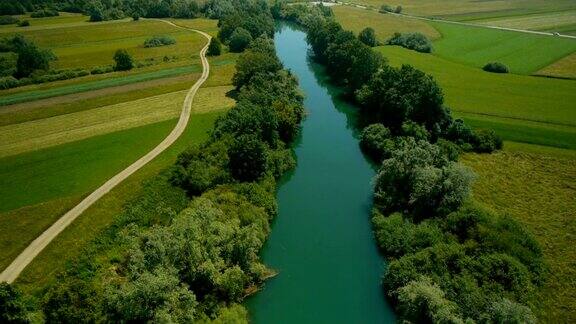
(13, 309)
(486, 141)
(23, 23)
(398, 9)
(8, 20)
(44, 13)
(215, 47)
(102, 70)
(495, 67)
(123, 60)
(386, 8)
(414, 41)
(158, 41)
(376, 141)
(8, 82)
(368, 37)
(239, 40)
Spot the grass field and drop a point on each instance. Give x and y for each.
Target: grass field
(94, 45)
(356, 19)
(24, 96)
(539, 190)
(522, 53)
(565, 67)
(520, 108)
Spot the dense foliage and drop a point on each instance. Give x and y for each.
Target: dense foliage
(8, 20)
(368, 37)
(157, 41)
(414, 41)
(451, 261)
(29, 58)
(215, 47)
(496, 67)
(123, 60)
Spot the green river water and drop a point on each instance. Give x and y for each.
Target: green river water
(321, 242)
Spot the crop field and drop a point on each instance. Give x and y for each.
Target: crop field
(538, 189)
(523, 108)
(356, 19)
(522, 53)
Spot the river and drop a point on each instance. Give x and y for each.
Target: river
(321, 242)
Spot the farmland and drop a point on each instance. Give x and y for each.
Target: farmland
(63, 139)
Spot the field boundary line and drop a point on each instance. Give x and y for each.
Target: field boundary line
(12, 272)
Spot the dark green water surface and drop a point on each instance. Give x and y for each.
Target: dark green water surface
(321, 242)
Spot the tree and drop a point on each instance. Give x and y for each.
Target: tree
(30, 57)
(12, 306)
(247, 158)
(239, 40)
(252, 63)
(215, 47)
(368, 37)
(420, 180)
(123, 60)
(507, 311)
(496, 67)
(376, 141)
(414, 41)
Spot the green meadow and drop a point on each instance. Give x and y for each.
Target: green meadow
(522, 53)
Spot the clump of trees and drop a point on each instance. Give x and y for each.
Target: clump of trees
(414, 41)
(157, 41)
(29, 58)
(123, 60)
(385, 8)
(496, 67)
(8, 20)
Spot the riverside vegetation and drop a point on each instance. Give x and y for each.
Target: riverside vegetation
(450, 260)
(187, 248)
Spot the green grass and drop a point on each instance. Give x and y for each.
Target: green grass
(356, 19)
(73, 168)
(94, 85)
(523, 108)
(87, 227)
(539, 190)
(522, 53)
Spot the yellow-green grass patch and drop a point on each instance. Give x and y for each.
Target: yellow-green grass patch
(43, 133)
(209, 26)
(539, 21)
(565, 67)
(87, 227)
(213, 99)
(356, 19)
(64, 20)
(539, 191)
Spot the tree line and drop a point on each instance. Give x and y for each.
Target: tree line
(451, 260)
(187, 248)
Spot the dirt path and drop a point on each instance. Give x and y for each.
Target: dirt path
(17, 266)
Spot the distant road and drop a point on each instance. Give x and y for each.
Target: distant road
(17, 266)
(458, 22)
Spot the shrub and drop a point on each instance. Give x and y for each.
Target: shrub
(215, 47)
(486, 141)
(8, 20)
(8, 82)
(386, 8)
(398, 9)
(248, 158)
(368, 37)
(44, 13)
(495, 67)
(13, 309)
(102, 70)
(123, 60)
(158, 41)
(239, 40)
(23, 23)
(414, 41)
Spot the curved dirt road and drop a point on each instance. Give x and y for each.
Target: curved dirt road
(15, 268)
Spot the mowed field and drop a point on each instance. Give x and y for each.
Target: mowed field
(62, 140)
